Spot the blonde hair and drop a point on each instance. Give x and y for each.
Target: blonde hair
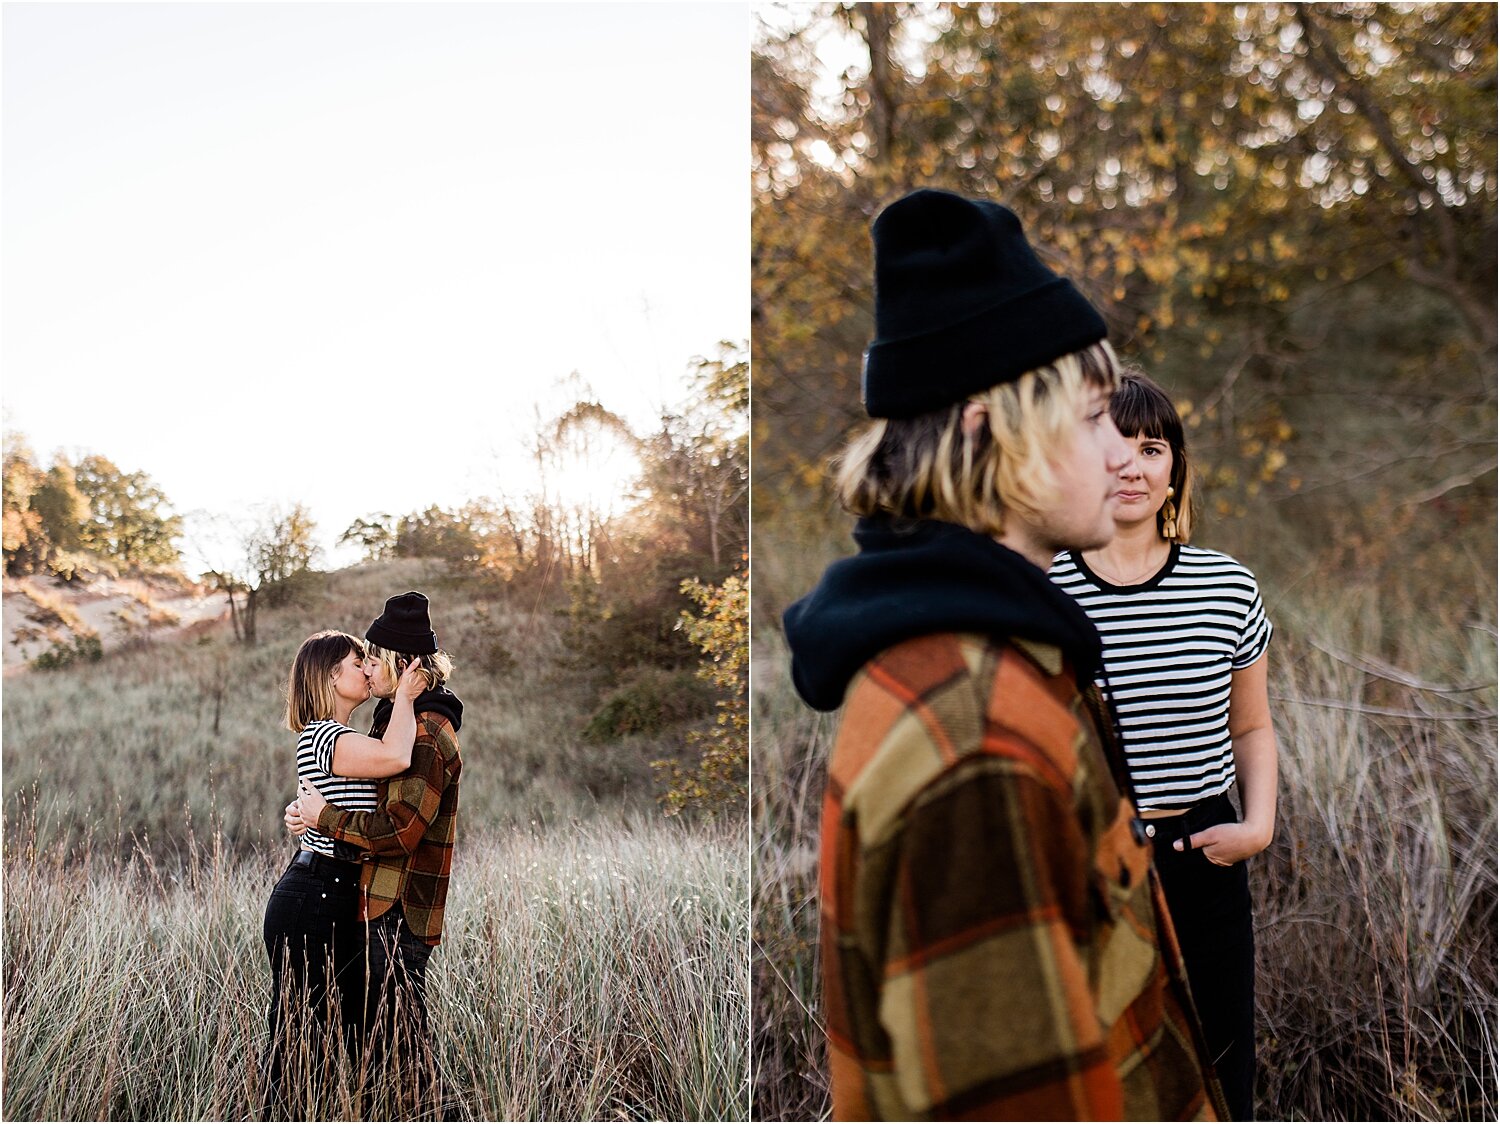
(437, 666)
(309, 687)
(926, 467)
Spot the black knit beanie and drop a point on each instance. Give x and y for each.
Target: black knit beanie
(404, 626)
(962, 303)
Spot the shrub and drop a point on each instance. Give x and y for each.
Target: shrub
(650, 701)
(84, 647)
(717, 780)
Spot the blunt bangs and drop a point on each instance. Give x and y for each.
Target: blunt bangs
(1140, 408)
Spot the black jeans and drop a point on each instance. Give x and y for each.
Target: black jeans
(316, 944)
(400, 1059)
(1210, 908)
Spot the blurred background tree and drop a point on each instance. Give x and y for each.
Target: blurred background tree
(1285, 212)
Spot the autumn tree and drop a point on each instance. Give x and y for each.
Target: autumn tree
(23, 533)
(1252, 194)
(580, 444)
(374, 534)
(281, 549)
(696, 470)
(54, 518)
(129, 521)
(62, 508)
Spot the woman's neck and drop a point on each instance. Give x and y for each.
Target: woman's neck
(1133, 555)
(342, 710)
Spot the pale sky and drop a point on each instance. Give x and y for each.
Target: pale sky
(336, 253)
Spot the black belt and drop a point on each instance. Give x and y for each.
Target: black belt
(1194, 818)
(323, 864)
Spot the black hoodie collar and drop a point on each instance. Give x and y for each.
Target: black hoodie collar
(439, 700)
(916, 578)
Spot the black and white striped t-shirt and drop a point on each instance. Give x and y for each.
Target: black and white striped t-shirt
(1170, 646)
(315, 765)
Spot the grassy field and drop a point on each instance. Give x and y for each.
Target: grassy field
(1375, 904)
(594, 958)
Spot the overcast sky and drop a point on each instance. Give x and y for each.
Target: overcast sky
(256, 250)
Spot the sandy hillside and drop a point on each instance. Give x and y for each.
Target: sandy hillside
(40, 612)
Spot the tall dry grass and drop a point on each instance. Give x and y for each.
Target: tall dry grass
(591, 974)
(595, 953)
(1375, 904)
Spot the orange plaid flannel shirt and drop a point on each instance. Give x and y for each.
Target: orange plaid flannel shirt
(410, 835)
(991, 947)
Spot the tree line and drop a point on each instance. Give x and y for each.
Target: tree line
(689, 502)
(651, 582)
(1287, 212)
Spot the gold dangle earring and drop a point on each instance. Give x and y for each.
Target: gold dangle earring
(1169, 516)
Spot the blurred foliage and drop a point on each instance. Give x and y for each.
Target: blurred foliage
(78, 647)
(721, 628)
(1287, 214)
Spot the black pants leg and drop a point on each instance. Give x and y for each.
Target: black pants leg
(400, 1056)
(315, 944)
(1210, 908)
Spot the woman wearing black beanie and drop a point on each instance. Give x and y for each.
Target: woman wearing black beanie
(314, 940)
(993, 945)
(407, 846)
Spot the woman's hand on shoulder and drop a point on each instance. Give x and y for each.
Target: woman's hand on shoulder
(1227, 843)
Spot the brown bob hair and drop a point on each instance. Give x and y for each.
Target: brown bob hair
(309, 688)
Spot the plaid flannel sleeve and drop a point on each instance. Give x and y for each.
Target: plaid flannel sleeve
(986, 995)
(412, 802)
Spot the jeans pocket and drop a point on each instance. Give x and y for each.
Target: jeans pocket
(284, 914)
(286, 901)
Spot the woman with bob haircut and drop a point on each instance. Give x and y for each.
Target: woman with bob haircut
(1185, 638)
(313, 936)
(989, 927)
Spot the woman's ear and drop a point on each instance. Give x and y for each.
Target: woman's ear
(975, 415)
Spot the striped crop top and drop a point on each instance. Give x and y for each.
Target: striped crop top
(1171, 645)
(315, 765)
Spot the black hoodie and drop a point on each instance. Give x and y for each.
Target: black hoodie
(439, 700)
(917, 578)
